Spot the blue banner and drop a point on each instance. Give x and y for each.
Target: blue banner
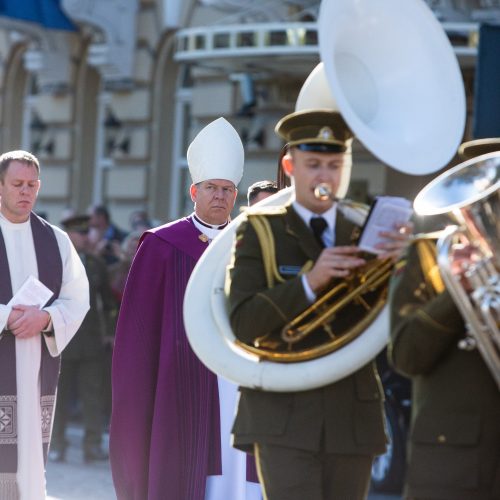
(47, 13)
(487, 84)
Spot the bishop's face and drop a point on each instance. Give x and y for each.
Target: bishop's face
(213, 200)
(18, 191)
(310, 168)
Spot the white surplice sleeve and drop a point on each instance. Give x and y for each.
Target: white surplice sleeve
(69, 309)
(4, 315)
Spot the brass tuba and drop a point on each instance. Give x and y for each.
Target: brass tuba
(398, 85)
(470, 195)
(352, 303)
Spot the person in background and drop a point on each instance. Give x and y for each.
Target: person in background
(83, 358)
(140, 221)
(171, 416)
(105, 235)
(31, 338)
(454, 440)
(260, 190)
(118, 271)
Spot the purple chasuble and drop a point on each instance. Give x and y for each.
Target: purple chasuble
(165, 424)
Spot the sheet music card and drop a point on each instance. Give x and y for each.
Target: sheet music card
(385, 213)
(32, 293)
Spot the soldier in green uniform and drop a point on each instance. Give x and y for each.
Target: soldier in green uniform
(83, 359)
(316, 444)
(454, 441)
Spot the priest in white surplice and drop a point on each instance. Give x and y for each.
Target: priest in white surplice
(31, 338)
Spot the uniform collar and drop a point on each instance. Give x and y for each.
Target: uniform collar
(330, 216)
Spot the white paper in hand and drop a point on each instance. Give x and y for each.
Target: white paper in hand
(386, 212)
(32, 293)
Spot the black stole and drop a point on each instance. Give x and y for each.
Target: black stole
(50, 274)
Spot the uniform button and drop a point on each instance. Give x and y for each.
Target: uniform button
(441, 438)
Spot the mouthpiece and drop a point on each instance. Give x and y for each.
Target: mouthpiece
(323, 192)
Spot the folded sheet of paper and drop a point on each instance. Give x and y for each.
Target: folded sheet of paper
(32, 293)
(386, 212)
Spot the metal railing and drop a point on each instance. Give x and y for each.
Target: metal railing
(271, 39)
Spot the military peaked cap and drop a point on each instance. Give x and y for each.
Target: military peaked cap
(478, 147)
(315, 130)
(76, 223)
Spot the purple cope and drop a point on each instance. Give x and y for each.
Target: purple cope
(165, 424)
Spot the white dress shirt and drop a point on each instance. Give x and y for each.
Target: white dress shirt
(328, 235)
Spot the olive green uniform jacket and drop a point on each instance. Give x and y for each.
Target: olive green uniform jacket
(83, 359)
(345, 417)
(454, 444)
(101, 319)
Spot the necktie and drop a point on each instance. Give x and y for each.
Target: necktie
(318, 225)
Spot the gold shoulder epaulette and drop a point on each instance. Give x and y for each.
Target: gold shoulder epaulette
(251, 211)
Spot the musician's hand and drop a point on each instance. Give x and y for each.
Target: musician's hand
(397, 241)
(334, 262)
(31, 322)
(463, 256)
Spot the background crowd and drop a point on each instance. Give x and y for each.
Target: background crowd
(84, 394)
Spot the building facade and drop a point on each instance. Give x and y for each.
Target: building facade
(110, 103)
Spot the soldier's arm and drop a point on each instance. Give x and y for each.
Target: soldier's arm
(255, 309)
(109, 304)
(424, 325)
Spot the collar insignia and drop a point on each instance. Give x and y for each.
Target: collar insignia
(203, 237)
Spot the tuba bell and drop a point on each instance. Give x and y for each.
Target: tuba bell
(470, 195)
(398, 85)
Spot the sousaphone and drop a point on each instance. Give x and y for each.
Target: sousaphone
(398, 85)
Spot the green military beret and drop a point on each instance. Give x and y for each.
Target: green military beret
(315, 130)
(76, 223)
(478, 147)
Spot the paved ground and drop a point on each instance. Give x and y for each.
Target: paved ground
(75, 480)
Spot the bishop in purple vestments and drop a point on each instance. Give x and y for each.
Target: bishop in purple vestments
(165, 437)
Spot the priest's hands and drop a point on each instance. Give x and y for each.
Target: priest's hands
(27, 321)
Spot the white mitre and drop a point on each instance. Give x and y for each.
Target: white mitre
(316, 94)
(216, 153)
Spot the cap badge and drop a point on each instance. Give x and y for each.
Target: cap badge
(326, 133)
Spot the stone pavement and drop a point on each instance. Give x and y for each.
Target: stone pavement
(75, 480)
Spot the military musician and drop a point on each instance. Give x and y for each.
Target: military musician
(315, 444)
(454, 440)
